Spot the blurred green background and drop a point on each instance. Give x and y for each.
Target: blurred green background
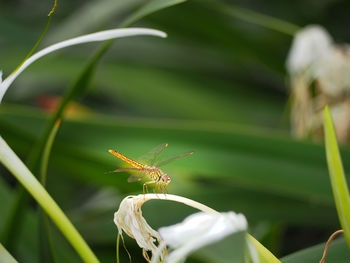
(216, 85)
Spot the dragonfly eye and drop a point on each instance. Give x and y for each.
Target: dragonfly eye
(166, 178)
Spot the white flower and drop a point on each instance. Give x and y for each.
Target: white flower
(129, 219)
(198, 230)
(194, 232)
(333, 71)
(341, 118)
(99, 36)
(309, 44)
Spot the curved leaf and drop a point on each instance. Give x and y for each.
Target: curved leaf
(94, 37)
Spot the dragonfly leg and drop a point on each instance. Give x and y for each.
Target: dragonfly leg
(154, 189)
(165, 190)
(145, 186)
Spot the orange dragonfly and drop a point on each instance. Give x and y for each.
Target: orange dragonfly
(148, 166)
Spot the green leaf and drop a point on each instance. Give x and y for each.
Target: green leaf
(46, 243)
(337, 175)
(264, 254)
(338, 252)
(253, 17)
(5, 256)
(149, 8)
(11, 161)
(41, 36)
(46, 152)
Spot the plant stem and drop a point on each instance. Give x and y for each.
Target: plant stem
(329, 243)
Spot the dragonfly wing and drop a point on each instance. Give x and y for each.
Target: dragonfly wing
(124, 170)
(134, 178)
(171, 158)
(152, 156)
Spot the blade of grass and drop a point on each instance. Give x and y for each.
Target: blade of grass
(46, 153)
(336, 175)
(53, 8)
(253, 17)
(11, 161)
(40, 37)
(5, 256)
(46, 243)
(149, 8)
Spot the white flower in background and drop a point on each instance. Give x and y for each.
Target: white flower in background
(341, 117)
(309, 44)
(194, 232)
(319, 74)
(199, 230)
(99, 36)
(333, 72)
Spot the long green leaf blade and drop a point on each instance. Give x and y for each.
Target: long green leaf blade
(46, 244)
(46, 152)
(336, 174)
(260, 19)
(149, 8)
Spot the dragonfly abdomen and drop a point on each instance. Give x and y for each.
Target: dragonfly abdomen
(126, 159)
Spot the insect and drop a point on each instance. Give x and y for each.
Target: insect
(148, 166)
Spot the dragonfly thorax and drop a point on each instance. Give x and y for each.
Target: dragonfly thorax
(157, 174)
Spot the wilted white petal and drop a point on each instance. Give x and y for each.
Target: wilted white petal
(341, 118)
(199, 230)
(129, 219)
(333, 71)
(309, 44)
(99, 36)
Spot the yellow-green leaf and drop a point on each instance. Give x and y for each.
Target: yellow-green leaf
(336, 174)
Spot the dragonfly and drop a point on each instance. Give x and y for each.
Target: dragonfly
(148, 166)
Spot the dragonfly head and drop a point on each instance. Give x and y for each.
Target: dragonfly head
(166, 178)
